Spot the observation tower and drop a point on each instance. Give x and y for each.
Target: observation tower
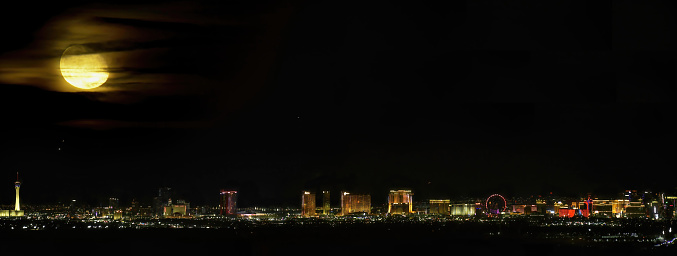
(17, 186)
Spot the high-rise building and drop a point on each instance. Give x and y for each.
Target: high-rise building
(308, 204)
(355, 203)
(135, 207)
(163, 199)
(326, 203)
(669, 211)
(541, 207)
(440, 206)
(400, 201)
(113, 203)
(228, 202)
(670, 202)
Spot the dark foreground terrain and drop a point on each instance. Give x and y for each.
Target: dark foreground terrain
(305, 239)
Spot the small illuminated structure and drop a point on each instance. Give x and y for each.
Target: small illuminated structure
(117, 215)
(308, 204)
(400, 201)
(353, 203)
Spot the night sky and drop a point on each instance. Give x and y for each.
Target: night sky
(466, 98)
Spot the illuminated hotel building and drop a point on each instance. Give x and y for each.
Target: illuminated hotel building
(355, 203)
(228, 202)
(602, 208)
(462, 209)
(541, 206)
(567, 212)
(439, 206)
(635, 210)
(400, 201)
(326, 204)
(618, 207)
(162, 200)
(176, 210)
(308, 204)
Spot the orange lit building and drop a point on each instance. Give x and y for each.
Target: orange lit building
(117, 215)
(176, 211)
(524, 209)
(355, 203)
(308, 204)
(618, 207)
(566, 212)
(571, 210)
(400, 201)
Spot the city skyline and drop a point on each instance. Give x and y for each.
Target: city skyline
(629, 204)
(398, 201)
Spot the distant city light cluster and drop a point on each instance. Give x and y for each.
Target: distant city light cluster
(629, 204)
(563, 216)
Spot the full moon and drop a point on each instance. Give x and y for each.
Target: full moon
(83, 68)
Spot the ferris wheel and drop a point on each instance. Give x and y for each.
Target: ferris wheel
(496, 204)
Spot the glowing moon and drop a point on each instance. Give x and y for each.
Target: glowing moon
(82, 68)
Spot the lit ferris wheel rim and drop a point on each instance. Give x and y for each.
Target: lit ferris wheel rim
(505, 203)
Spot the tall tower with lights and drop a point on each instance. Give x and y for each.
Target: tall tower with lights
(17, 186)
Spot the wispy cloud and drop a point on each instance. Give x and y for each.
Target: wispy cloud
(178, 52)
(141, 44)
